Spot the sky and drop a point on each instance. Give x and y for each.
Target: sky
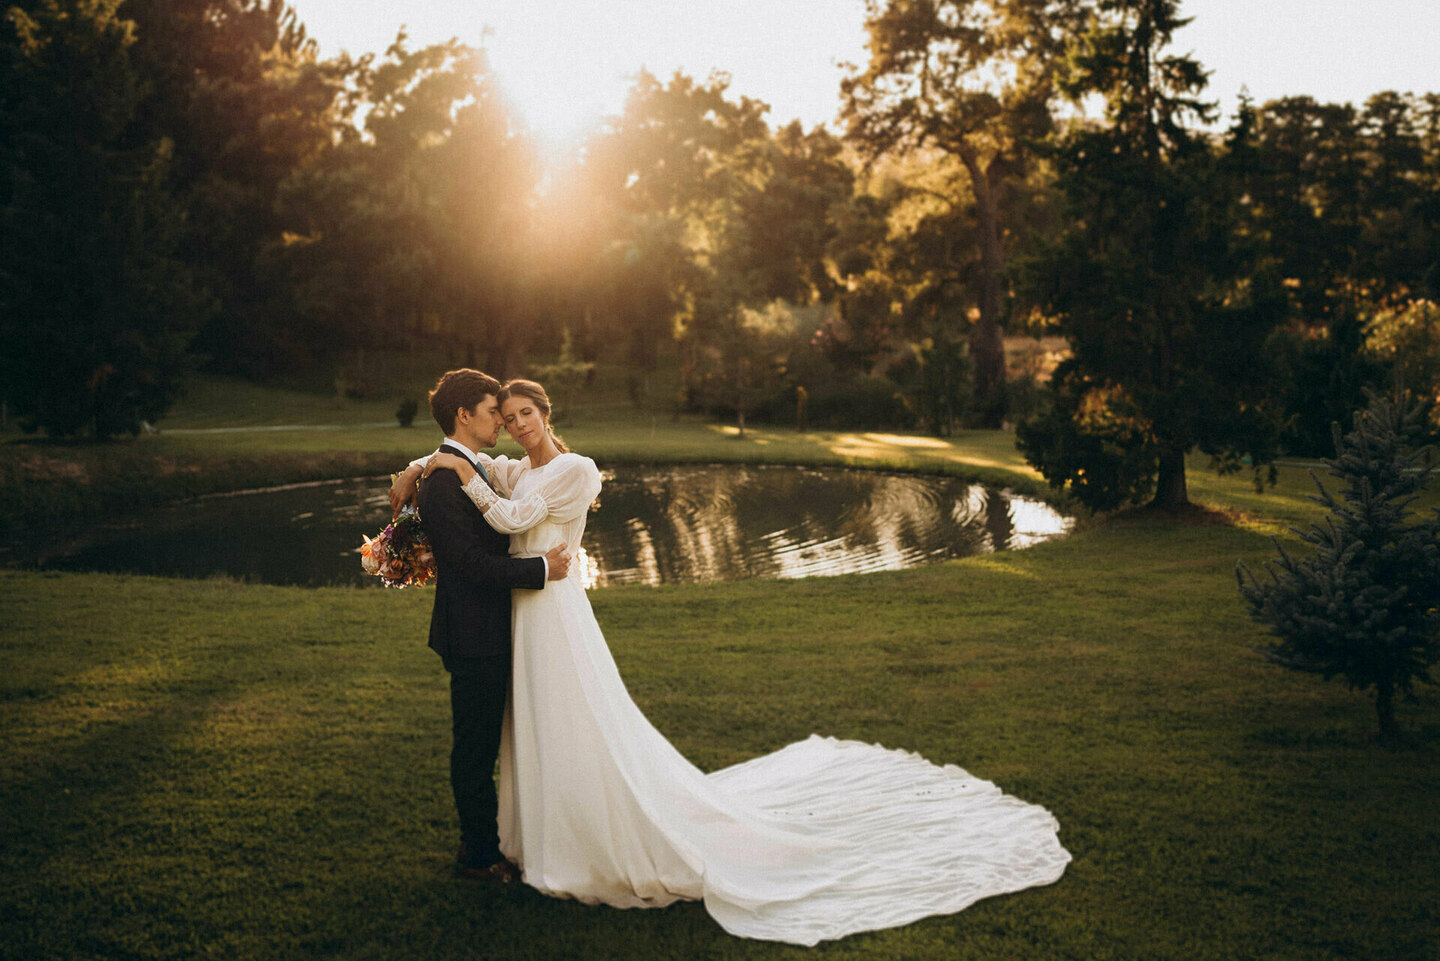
(566, 63)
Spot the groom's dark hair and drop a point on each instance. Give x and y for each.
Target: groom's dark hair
(459, 388)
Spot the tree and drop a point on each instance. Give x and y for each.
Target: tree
(1345, 200)
(97, 310)
(238, 88)
(934, 268)
(481, 184)
(565, 376)
(1407, 338)
(671, 167)
(419, 224)
(769, 261)
(1366, 605)
(1166, 298)
(976, 80)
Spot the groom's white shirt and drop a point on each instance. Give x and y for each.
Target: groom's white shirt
(474, 458)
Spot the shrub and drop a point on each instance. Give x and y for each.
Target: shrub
(1089, 439)
(406, 412)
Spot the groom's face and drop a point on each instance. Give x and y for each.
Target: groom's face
(486, 422)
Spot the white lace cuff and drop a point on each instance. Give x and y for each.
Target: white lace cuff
(480, 493)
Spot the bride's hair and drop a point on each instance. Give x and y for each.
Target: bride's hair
(534, 392)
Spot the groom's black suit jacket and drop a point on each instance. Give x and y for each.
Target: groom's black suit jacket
(474, 572)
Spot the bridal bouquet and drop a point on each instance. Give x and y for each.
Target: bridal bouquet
(399, 555)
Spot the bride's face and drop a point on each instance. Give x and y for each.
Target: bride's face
(524, 421)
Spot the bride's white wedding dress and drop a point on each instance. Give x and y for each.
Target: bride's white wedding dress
(818, 840)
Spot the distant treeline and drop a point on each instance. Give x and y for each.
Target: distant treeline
(189, 184)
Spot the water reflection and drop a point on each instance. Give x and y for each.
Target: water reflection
(686, 524)
(654, 525)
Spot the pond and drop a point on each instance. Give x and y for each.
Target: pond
(652, 525)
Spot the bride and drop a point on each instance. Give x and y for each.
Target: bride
(818, 840)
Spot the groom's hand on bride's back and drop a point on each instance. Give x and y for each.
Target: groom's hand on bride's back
(558, 561)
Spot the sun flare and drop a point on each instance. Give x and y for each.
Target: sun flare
(561, 90)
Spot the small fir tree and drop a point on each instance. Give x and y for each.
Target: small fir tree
(1366, 605)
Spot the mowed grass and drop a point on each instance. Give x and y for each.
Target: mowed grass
(196, 768)
(199, 768)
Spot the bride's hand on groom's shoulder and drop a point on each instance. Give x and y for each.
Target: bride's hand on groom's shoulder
(444, 461)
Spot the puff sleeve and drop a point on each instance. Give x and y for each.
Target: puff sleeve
(567, 487)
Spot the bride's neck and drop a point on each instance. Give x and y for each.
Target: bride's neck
(543, 452)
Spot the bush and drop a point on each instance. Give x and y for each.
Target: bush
(1089, 440)
(406, 412)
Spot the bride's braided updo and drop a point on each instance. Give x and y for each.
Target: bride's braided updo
(531, 390)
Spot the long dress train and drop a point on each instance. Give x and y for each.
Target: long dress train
(818, 840)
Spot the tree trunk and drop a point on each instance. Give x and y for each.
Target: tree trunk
(1385, 710)
(987, 346)
(740, 394)
(497, 358)
(1170, 492)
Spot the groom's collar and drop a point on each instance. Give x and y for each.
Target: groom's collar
(469, 454)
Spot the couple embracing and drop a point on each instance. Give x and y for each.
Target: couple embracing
(818, 840)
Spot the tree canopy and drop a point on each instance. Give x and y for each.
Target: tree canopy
(188, 184)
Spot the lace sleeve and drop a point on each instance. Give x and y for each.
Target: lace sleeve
(480, 493)
(504, 472)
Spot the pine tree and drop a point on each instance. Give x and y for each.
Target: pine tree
(1366, 605)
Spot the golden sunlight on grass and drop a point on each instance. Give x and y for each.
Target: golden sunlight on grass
(994, 564)
(900, 440)
(881, 446)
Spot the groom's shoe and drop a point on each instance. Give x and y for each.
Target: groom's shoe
(501, 872)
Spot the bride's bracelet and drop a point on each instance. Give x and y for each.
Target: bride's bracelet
(479, 492)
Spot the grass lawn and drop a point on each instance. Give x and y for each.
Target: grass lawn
(206, 768)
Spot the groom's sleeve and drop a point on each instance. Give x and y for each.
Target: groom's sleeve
(448, 525)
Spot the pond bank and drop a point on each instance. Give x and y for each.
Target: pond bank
(40, 481)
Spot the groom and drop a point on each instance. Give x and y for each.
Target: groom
(470, 623)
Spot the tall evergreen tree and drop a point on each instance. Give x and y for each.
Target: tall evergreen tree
(1165, 299)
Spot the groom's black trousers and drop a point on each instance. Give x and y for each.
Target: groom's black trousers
(478, 686)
